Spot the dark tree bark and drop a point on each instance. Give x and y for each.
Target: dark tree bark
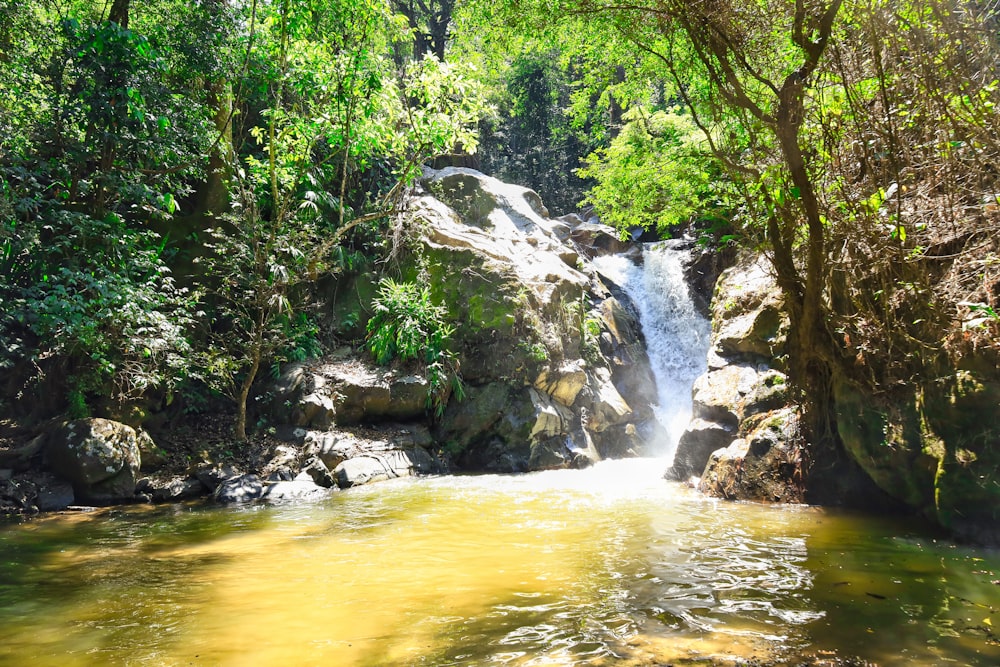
(430, 21)
(119, 13)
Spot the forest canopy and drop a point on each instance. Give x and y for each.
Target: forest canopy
(177, 177)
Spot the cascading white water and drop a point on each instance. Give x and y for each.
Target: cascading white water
(677, 335)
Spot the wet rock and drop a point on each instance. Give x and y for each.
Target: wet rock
(331, 449)
(595, 239)
(56, 497)
(742, 405)
(482, 413)
(609, 408)
(99, 457)
(551, 418)
(362, 470)
(696, 445)
(211, 475)
(550, 454)
(242, 489)
(298, 490)
(388, 464)
(565, 382)
(171, 489)
(318, 473)
(766, 465)
(628, 440)
(284, 459)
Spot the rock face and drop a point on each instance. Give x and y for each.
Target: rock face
(740, 382)
(745, 439)
(556, 371)
(344, 389)
(934, 446)
(99, 457)
(551, 355)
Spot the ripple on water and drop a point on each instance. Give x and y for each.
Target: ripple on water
(608, 566)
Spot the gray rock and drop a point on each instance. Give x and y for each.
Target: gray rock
(695, 447)
(550, 454)
(332, 448)
(362, 470)
(55, 498)
(317, 472)
(171, 489)
(99, 457)
(297, 490)
(595, 239)
(240, 489)
(211, 475)
(315, 410)
(767, 465)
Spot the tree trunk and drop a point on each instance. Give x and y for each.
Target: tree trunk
(119, 13)
(240, 429)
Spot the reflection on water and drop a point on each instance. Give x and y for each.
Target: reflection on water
(598, 567)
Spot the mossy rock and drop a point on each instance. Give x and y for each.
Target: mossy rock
(463, 191)
(935, 448)
(961, 416)
(886, 443)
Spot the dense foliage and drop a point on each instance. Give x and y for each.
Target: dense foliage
(858, 141)
(177, 177)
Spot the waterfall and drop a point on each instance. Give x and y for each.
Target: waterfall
(677, 335)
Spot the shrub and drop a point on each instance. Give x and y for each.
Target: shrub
(408, 326)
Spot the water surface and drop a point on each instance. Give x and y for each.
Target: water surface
(606, 566)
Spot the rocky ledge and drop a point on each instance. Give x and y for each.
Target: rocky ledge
(551, 355)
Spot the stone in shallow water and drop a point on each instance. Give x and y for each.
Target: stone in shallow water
(295, 490)
(171, 489)
(99, 457)
(695, 447)
(240, 489)
(55, 498)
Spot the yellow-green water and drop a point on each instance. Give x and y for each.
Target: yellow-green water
(607, 566)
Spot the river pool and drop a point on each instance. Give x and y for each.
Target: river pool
(606, 566)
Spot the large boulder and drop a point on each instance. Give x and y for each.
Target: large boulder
(552, 360)
(388, 464)
(933, 446)
(595, 239)
(347, 389)
(723, 400)
(345, 458)
(696, 445)
(241, 489)
(99, 457)
(766, 465)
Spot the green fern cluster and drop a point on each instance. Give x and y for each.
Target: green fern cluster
(409, 326)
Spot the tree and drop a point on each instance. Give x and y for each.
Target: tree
(430, 21)
(99, 149)
(337, 110)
